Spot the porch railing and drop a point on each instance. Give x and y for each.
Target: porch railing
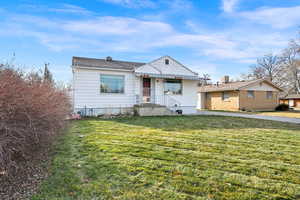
(165, 100)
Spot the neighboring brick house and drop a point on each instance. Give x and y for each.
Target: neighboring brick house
(251, 95)
(293, 100)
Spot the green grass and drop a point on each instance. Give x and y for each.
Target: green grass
(188, 157)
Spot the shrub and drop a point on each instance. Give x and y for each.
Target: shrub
(32, 111)
(282, 107)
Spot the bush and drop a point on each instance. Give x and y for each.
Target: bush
(32, 111)
(282, 107)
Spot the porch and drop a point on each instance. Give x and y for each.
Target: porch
(159, 91)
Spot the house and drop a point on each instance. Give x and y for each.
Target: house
(108, 86)
(293, 100)
(251, 95)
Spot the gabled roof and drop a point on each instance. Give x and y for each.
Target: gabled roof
(104, 64)
(292, 96)
(151, 69)
(159, 69)
(238, 85)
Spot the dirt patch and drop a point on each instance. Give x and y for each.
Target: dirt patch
(25, 182)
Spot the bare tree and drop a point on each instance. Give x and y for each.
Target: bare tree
(267, 67)
(290, 72)
(204, 80)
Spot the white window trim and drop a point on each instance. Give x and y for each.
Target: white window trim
(164, 87)
(124, 78)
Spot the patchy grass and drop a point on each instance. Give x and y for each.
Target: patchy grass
(188, 157)
(292, 114)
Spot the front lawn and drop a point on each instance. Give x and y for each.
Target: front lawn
(293, 114)
(181, 157)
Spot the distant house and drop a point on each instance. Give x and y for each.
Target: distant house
(293, 100)
(108, 86)
(243, 95)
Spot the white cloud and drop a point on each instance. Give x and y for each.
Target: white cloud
(132, 3)
(116, 26)
(229, 5)
(73, 9)
(125, 34)
(281, 18)
(62, 8)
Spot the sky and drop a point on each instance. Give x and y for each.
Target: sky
(218, 37)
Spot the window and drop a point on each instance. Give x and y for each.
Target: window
(111, 84)
(166, 61)
(173, 86)
(225, 96)
(250, 94)
(269, 95)
(207, 95)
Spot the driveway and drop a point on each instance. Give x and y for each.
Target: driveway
(253, 116)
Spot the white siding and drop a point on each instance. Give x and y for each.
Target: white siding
(87, 90)
(188, 98)
(201, 101)
(159, 66)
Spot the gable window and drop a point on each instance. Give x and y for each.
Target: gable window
(269, 95)
(167, 61)
(250, 94)
(225, 96)
(112, 84)
(173, 86)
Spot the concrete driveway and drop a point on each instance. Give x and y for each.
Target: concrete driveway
(253, 116)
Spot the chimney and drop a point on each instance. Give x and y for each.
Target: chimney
(108, 58)
(225, 79)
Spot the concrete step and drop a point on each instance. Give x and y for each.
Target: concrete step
(152, 110)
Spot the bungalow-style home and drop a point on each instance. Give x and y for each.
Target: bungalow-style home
(251, 95)
(293, 100)
(108, 86)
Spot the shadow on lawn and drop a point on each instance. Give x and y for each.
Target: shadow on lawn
(179, 123)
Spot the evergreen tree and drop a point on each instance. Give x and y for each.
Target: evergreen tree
(47, 74)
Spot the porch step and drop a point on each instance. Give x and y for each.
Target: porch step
(152, 110)
(147, 105)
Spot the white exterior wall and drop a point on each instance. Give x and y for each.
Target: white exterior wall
(158, 66)
(87, 90)
(188, 98)
(201, 100)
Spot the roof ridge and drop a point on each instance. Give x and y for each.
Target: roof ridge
(103, 59)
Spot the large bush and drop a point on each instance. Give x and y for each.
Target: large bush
(282, 107)
(32, 111)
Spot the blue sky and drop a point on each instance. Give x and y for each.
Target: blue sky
(210, 36)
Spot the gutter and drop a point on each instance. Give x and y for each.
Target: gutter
(100, 68)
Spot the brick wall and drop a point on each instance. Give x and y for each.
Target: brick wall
(259, 102)
(214, 101)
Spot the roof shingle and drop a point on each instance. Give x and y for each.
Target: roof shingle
(233, 86)
(103, 63)
(226, 86)
(292, 96)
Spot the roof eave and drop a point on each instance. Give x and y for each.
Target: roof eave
(100, 68)
(171, 76)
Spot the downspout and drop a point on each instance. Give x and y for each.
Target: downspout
(239, 97)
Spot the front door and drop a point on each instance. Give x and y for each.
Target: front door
(146, 90)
